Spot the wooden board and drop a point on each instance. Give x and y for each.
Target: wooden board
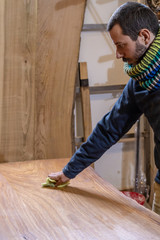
(59, 27)
(17, 82)
(39, 46)
(85, 100)
(89, 208)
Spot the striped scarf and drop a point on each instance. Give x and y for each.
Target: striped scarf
(147, 72)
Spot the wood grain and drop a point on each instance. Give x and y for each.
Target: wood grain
(58, 35)
(17, 79)
(39, 46)
(89, 208)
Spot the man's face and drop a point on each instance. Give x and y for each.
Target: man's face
(130, 51)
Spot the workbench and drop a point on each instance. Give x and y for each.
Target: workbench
(88, 208)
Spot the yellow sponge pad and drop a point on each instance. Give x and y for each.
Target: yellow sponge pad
(51, 183)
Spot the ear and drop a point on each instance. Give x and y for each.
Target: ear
(145, 36)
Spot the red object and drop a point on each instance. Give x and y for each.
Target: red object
(136, 196)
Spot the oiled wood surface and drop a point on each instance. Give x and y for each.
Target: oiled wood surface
(89, 208)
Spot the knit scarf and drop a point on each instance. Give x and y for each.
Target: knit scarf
(147, 71)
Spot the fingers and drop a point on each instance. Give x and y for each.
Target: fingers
(59, 177)
(55, 176)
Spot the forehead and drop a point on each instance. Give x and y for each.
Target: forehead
(117, 35)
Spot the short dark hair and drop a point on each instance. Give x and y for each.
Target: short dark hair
(132, 17)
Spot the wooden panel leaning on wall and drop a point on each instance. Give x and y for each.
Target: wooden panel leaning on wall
(39, 46)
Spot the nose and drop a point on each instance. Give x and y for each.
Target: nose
(119, 55)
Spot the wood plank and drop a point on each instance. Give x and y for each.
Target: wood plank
(85, 100)
(2, 48)
(17, 79)
(89, 208)
(58, 36)
(39, 46)
(153, 168)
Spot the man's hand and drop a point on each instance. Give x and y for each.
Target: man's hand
(59, 177)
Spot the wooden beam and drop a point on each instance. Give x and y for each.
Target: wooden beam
(85, 99)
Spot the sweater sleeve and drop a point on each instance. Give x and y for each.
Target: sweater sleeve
(107, 132)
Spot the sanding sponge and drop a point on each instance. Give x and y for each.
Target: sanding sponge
(51, 183)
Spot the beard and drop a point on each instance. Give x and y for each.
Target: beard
(140, 51)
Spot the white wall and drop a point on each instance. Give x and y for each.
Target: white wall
(118, 163)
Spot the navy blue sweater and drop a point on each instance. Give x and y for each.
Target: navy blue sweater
(133, 102)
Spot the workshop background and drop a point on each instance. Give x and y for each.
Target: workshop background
(118, 164)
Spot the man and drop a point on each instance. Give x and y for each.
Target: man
(135, 32)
